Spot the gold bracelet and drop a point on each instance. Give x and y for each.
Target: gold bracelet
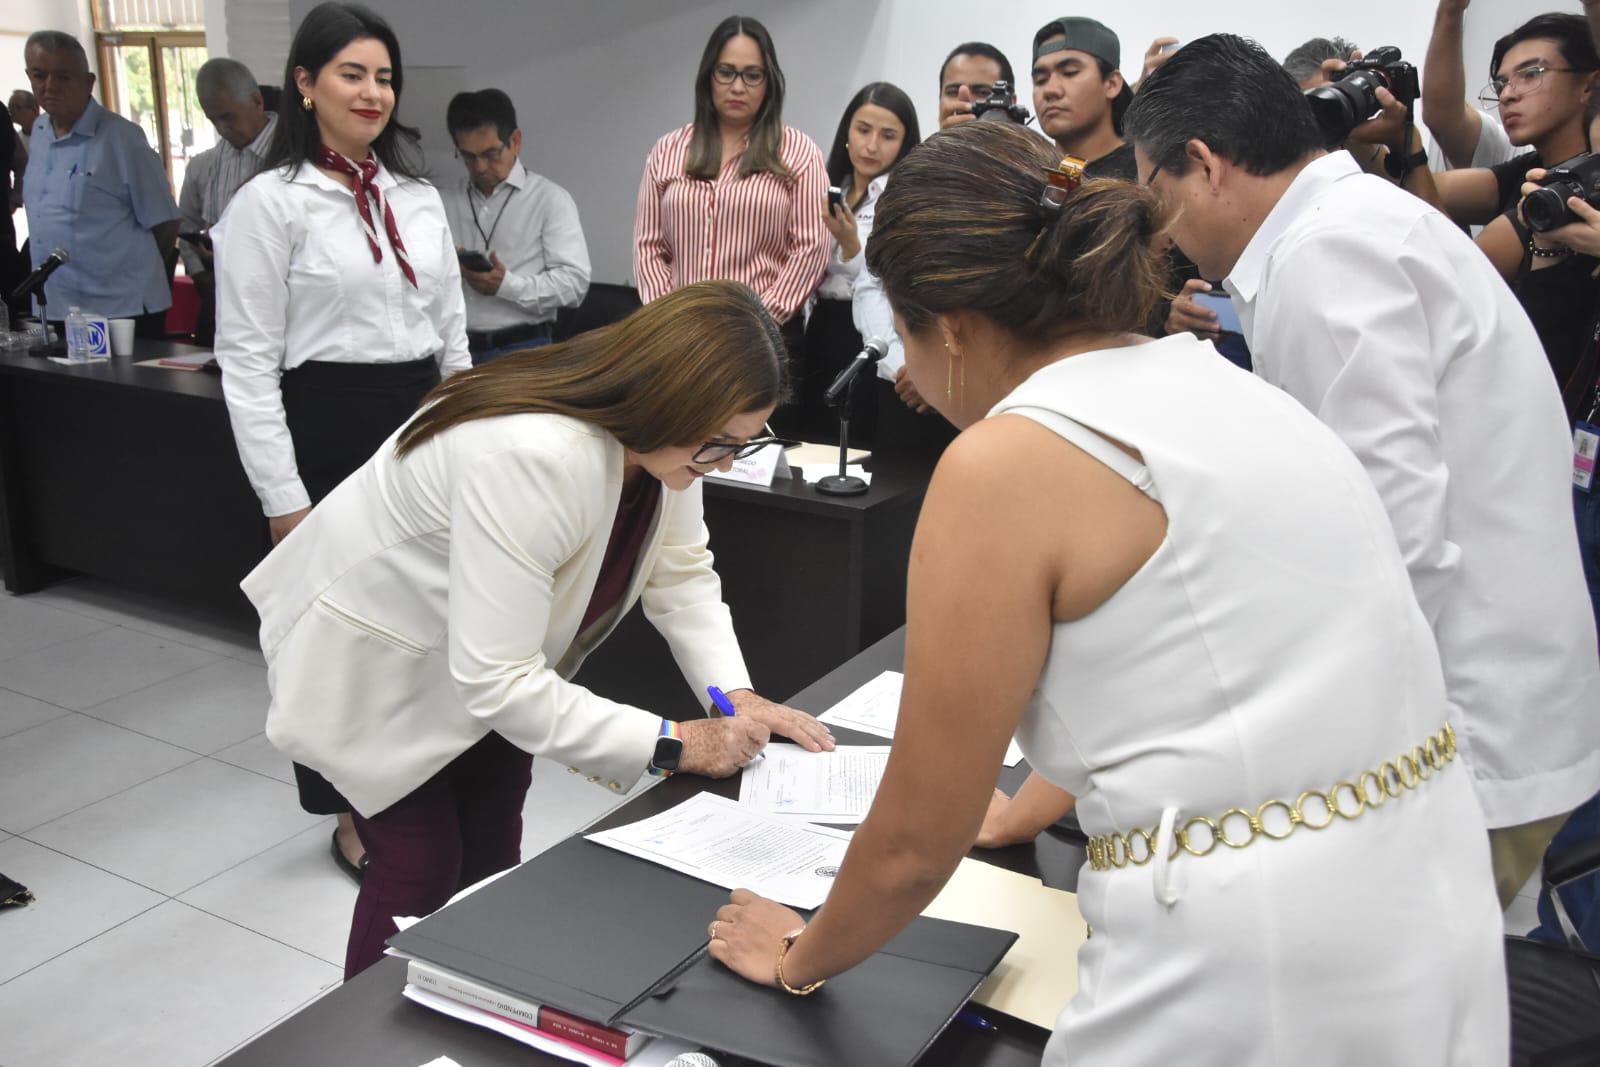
(783, 983)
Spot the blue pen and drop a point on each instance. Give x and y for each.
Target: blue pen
(720, 701)
(968, 1017)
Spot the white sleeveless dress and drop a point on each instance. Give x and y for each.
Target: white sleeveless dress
(1271, 645)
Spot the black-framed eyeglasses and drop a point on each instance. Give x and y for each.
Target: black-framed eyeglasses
(724, 73)
(490, 156)
(717, 451)
(1525, 80)
(1151, 177)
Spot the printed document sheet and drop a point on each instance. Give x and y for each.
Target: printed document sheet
(873, 708)
(826, 787)
(725, 843)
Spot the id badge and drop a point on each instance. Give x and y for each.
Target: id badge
(1585, 443)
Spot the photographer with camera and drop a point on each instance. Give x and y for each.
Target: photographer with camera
(1467, 136)
(966, 76)
(1541, 78)
(1381, 317)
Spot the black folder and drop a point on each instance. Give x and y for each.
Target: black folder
(604, 935)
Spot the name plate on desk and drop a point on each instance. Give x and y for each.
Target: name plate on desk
(758, 469)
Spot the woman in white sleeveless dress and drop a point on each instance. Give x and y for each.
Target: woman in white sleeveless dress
(1182, 594)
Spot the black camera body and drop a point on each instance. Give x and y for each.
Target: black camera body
(1001, 106)
(1546, 208)
(1343, 105)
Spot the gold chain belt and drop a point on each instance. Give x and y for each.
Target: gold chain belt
(1370, 789)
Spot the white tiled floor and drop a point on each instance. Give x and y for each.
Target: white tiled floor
(185, 902)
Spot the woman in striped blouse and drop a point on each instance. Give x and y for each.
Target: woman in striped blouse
(735, 194)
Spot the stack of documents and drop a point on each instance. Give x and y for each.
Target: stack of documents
(594, 932)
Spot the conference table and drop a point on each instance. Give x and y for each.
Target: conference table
(129, 473)
(367, 1023)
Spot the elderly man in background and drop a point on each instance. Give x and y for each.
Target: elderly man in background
(231, 100)
(96, 189)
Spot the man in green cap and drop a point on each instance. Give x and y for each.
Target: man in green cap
(1075, 89)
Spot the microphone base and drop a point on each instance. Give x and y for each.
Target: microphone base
(841, 485)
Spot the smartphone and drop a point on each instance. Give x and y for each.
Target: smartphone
(198, 238)
(835, 197)
(1220, 303)
(475, 261)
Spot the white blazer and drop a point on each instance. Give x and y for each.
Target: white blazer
(429, 600)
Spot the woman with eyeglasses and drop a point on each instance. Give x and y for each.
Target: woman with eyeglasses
(338, 294)
(877, 129)
(423, 622)
(735, 194)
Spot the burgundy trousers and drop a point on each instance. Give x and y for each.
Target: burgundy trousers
(457, 828)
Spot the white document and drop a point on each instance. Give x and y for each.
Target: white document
(725, 843)
(825, 787)
(874, 707)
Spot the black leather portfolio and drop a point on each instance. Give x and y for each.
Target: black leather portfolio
(592, 931)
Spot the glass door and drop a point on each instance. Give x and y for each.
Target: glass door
(149, 80)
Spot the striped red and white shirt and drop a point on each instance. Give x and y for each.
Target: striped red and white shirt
(762, 230)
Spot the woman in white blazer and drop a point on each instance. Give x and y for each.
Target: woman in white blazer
(421, 625)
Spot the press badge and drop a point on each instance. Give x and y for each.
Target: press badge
(1585, 442)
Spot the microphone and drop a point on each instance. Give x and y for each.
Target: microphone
(876, 349)
(35, 281)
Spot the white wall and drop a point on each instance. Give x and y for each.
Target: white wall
(18, 18)
(597, 81)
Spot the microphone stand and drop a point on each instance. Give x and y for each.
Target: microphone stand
(843, 484)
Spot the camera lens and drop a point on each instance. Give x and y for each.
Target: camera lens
(1343, 105)
(1546, 209)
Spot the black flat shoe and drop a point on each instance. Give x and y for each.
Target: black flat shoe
(355, 870)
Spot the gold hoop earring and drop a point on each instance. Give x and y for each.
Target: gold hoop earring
(305, 102)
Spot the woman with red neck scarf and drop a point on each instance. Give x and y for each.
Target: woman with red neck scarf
(338, 293)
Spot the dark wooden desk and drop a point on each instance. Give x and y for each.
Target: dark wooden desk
(367, 1021)
(130, 474)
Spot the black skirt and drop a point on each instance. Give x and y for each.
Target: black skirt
(339, 414)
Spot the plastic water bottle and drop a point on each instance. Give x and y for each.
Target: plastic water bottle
(77, 336)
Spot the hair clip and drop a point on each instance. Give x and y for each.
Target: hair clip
(1061, 183)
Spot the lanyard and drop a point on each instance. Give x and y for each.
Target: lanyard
(488, 238)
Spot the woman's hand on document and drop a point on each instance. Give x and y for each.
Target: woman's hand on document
(717, 748)
(797, 726)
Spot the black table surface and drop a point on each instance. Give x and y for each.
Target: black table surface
(367, 1022)
(892, 478)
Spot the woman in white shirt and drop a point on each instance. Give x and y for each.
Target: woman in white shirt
(877, 129)
(338, 295)
(1182, 594)
(422, 625)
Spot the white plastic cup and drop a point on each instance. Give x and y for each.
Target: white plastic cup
(122, 337)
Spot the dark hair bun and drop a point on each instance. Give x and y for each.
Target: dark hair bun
(961, 225)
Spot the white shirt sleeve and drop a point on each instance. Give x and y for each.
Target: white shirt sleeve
(191, 209)
(253, 258)
(870, 311)
(565, 277)
(450, 306)
(1364, 365)
(502, 586)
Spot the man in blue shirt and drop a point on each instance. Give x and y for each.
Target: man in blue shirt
(96, 189)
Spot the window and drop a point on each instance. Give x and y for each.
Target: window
(149, 52)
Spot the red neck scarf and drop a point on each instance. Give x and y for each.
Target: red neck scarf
(367, 192)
